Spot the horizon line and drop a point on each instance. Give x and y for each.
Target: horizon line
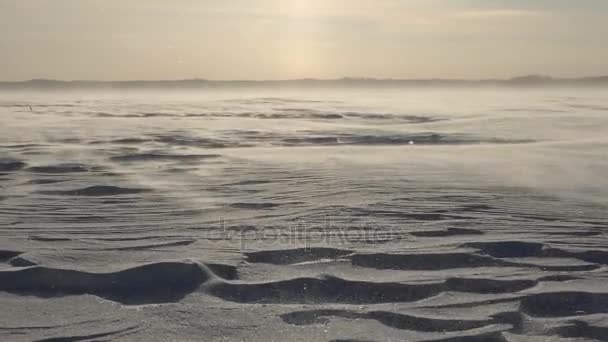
(43, 84)
(538, 77)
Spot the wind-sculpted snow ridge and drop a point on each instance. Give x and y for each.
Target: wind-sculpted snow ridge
(98, 190)
(255, 206)
(63, 168)
(7, 164)
(439, 261)
(493, 254)
(6, 255)
(474, 335)
(294, 256)
(142, 157)
(508, 249)
(250, 139)
(395, 139)
(308, 114)
(448, 232)
(399, 321)
(161, 282)
(330, 289)
(563, 304)
(92, 337)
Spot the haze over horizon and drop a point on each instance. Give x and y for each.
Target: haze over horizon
(293, 39)
(521, 79)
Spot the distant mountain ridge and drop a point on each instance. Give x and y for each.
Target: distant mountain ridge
(522, 81)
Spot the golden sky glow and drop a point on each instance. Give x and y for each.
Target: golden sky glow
(280, 39)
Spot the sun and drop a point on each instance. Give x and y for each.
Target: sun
(301, 7)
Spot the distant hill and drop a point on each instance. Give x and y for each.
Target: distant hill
(531, 79)
(523, 81)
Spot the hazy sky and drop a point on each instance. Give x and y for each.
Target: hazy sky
(280, 39)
